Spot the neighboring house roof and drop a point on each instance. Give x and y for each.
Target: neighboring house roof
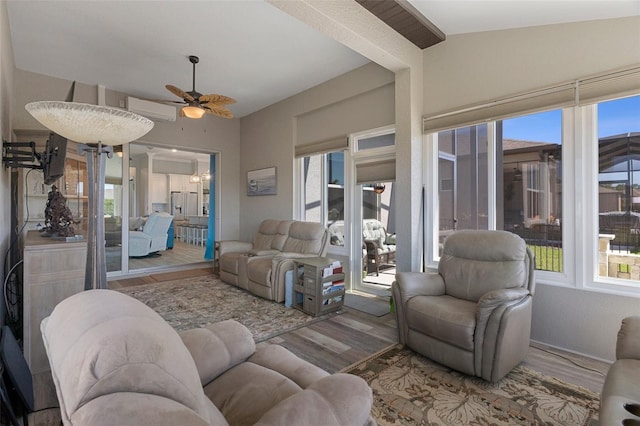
(513, 145)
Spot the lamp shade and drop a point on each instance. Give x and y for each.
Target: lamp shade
(86, 123)
(193, 111)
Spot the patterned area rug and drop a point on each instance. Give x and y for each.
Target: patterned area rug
(409, 389)
(198, 301)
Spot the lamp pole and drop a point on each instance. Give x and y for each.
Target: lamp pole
(96, 270)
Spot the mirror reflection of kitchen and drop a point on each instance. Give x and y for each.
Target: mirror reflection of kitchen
(173, 182)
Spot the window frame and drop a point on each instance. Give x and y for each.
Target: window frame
(432, 156)
(588, 126)
(300, 210)
(580, 184)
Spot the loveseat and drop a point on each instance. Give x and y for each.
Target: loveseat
(622, 385)
(115, 361)
(260, 266)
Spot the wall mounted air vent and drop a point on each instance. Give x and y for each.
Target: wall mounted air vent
(153, 110)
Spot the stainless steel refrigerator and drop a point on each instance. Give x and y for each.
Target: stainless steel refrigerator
(184, 204)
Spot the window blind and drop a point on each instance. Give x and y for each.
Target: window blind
(579, 92)
(377, 171)
(601, 87)
(322, 147)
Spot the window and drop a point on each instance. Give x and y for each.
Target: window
(378, 141)
(619, 188)
(527, 181)
(462, 176)
(323, 197)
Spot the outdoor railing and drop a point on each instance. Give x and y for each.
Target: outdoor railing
(545, 241)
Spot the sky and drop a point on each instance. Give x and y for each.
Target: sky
(614, 117)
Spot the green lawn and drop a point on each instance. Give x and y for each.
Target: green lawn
(547, 258)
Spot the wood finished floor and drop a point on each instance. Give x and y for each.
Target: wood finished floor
(342, 340)
(181, 254)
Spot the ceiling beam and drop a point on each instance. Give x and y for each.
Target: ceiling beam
(406, 20)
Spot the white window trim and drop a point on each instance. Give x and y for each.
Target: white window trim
(579, 198)
(588, 125)
(355, 137)
(299, 210)
(431, 156)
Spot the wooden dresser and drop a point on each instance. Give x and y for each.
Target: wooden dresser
(53, 271)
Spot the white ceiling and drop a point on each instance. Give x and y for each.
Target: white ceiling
(248, 50)
(471, 16)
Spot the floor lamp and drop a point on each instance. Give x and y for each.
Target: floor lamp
(95, 128)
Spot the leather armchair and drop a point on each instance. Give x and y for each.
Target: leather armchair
(620, 397)
(474, 314)
(152, 238)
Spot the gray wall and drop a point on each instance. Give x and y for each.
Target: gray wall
(210, 134)
(338, 107)
(472, 68)
(467, 69)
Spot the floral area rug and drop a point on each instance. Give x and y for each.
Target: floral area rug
(198, 301)
(409, 389)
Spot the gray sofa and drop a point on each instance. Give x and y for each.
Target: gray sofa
(260, 266)
(622, 385)
(114, 361)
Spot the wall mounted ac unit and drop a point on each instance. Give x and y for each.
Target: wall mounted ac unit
(152, 110)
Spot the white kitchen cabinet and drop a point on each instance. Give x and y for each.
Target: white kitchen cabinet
(159, 188)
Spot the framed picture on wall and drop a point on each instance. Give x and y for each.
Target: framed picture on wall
(262, 182)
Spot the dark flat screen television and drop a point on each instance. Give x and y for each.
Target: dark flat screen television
(53, 159)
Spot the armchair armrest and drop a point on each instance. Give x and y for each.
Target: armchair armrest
(218, 347)
(411, 284)
(339, 399)
(372, 246)
(293, 255)
(502, 316)
(494, 299)
(628, 344)
(231, 246)
(498, 297)
(267, 252)
(408, 285)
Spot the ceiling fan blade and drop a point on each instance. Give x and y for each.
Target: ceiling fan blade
(216, 99)
(180, 93)
(218, 110)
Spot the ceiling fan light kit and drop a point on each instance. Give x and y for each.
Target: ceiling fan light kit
(193, 111)
(197, 104)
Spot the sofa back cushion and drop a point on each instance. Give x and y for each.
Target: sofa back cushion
(101, 343)
(307, 238)
(271, 234)
(475, 262)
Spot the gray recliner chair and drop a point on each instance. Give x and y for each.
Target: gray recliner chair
(620, 396)
(474, 314)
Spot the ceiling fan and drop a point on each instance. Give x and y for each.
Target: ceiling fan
(198, 104)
